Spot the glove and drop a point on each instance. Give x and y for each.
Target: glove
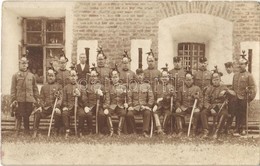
(159, 99)
(178, 110)
(213, 111)
(155, 108)
(196, 110)
(86, 109)
(106, 111)
(130, 109)
(65, 109)
(99, 92)
(125, 105)
(57, 111)
(14, 104)
(76, 92)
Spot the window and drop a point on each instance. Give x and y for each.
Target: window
(44, 39)
(190, 54)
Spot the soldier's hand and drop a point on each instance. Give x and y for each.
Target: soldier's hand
(212, 111)
(178, 110)
(222, 93)
(14, 104)
(76, 92)
(106, 111)
(125, 105)
(39, 109)
(57, 111)
(159, 100)
(65, 109)
(86, 109)
(99, 92)
(231, 92)
(155, 108)
(196, 110)
(130, 108)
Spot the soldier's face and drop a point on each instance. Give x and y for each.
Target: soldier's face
(73, 78)
(101, 60)
(93, 76)
(51, 78)
(242, 66)
(115, 78)
(165, 77)
(125, 63)
(216, 81)
(188, 81)
(177, 65)
(63, 65)
(140, 77)
(150, 61)
(82, 58)
(203, 65)
(23, 66)
(229, 69)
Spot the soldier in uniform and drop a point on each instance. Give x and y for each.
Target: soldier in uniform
(125, 73)
(24, 93)
(185, 100)
(177, 73)
(70, 92)
(101, 68)
(151, 72)
(49, 92)
(142, 101)
(164, 91)
(90, 97)
(82, 69)
(215, 104)
(115, 101)
(63, 74)
(245, 88)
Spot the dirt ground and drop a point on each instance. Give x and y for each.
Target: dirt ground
(129, 150)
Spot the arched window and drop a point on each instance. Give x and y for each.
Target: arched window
(190, 54)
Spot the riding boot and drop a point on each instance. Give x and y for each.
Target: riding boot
(166, 119)
(110, 126)
(18, 123)
(158, 124)
(36, 125)
(179, 126)
(120, 125)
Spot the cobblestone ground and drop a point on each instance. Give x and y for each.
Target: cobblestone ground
(129, 150)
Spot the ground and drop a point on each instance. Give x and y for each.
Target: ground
(129, 150)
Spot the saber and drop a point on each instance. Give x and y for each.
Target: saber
(193, 108)
(75, 114)
(52, 114)
(151, 131)
(97, 106)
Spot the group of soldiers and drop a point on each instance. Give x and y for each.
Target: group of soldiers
(102, 92)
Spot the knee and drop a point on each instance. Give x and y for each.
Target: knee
(130, 114)
(147, 113)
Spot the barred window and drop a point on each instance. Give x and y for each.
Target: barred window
(190, 54)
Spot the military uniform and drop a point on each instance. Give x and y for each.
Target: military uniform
(241, 82)
(142, 99)
(214, 100)
(151, 75)
(202, 78)
(124, 74)
(115, 98)
(185, 100)
(24, 91)
(48, 95)
(164, 91)
(62, 77)
(89, 98)
(179, 75)
(103, 73)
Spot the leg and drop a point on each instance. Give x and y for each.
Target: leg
(38, 117)
(27, 112)
(81, 118)
(121, 113)
(89, 117)
(166, 119)
(204, 119)
(66, 121)
(110, 123)
(131, 121)
(221, 122)
(146, 122)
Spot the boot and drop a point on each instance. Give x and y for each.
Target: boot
(110, 126)
(166, 119)
(67, 134)
(179, 126)
(160, 131)
(205, 133)
(18, 123)
(219, 127)
(120, 125)
(145, 135)
(34, 134)
(80, 135)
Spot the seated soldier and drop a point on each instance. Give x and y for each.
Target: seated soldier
(164, 91)
(70, 93)
(115, 102)
(184, 103)
(142, 101)
(90, 97)
(49, 93)
(215, 104)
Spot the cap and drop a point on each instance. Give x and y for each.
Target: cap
(203, 59)
(114, 70)
(188, 72)
(165, 68)
(243, 58)
(151, 54)
(63, 57)
(126, 58)
(176, 59)
(216, 73)
(73, 70)
(24, 58)
(51, 70)
(100, 52)
(228, 64)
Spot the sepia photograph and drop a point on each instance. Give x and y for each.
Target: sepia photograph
(127, 82)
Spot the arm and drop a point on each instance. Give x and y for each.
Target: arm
(35, 89)
(150, 97)
(13, 89)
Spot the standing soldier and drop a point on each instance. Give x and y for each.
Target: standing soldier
(245, 88)
(63, 74)
(125, 73)
(165, 91)
(82, 69)
(24, 93)
(70, 92)
(115, 101)
(185, 99)
(101, 68)
(177, 73)
(49, 92)
(90, 97)
(142, 101)
(151, 73)
(215, 104)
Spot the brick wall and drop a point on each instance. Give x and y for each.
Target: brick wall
(114, 24)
